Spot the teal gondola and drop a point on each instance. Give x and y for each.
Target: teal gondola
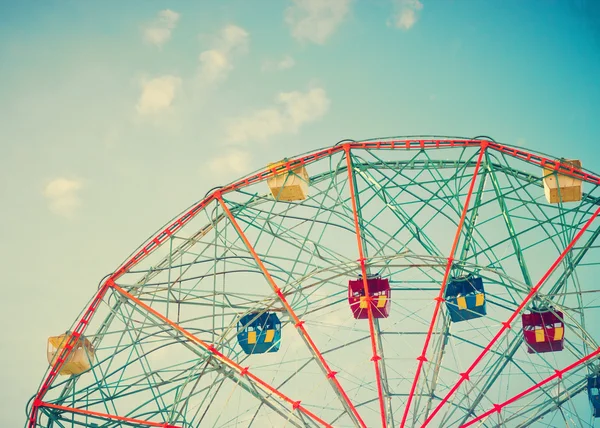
(259, 333)
(465, 298)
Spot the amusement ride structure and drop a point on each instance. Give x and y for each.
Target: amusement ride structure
(411, 282)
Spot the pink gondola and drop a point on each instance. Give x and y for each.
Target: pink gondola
(544, 331)
(379, 289)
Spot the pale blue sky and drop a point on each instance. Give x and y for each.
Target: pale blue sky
(116, 115)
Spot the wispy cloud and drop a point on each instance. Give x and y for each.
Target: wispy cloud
(279, 65)
(315, 20)
(292, 110)
(157, 94)
(234, 161)
(159, 31)
(217, 62)
(406, 13)
(62, 195)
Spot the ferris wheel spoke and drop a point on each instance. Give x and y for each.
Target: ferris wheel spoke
(518, 340)
(391, 201)
(439, 210)
(506, 325)
(474, 395)
(442, 336)
(242, 372)
(253, 390)
(376, 357)
(557, 375)
(490, 379)
(137, 354)
(422, 358)
(487, 251)
(122, 385)
(328, 372)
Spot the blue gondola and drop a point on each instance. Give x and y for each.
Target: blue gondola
(594, 394)
(465, 298)
(259, 333)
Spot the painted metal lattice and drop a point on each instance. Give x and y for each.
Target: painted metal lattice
(417, 212)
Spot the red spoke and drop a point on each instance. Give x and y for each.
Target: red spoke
(329, 374)
(506, 325)
(558, 374)
(375, 358)
(241, 371)
(438, 301)
(106, 416)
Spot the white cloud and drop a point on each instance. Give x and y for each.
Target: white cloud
(282, 64)
(62, 196)
(232, 37)
(407, 13)
(157, 94)
(214, 65)
(217, 62)
(293, 110)
(315, 20)
(235, 161)
(159, 31)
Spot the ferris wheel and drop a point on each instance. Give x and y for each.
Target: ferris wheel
(408, 282)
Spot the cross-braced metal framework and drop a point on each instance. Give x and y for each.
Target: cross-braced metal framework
(416, 211)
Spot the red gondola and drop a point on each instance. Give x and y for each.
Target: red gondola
(544, 331)
(379, 289)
